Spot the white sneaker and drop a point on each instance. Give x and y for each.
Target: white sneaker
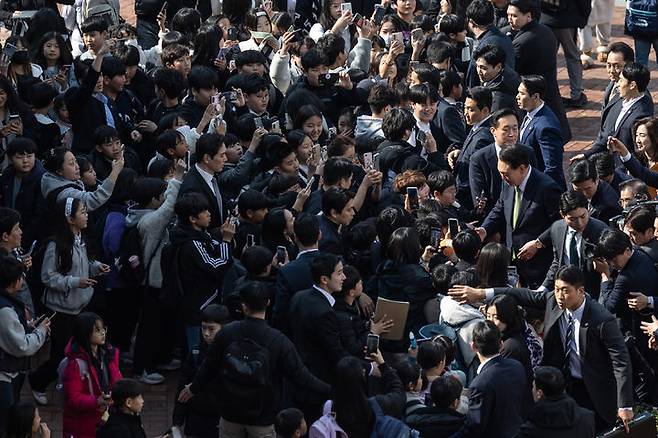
(173, 365)
(40, 398)
(151, 378)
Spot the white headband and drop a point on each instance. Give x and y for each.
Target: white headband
(68, 209)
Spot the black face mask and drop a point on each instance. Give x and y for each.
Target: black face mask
(20, 57)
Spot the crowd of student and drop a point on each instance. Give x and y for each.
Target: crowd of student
(231, 188)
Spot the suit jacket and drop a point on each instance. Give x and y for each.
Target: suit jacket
(607, 96)
(638, 170)
(331, 240)
(539, 209)
(495, 400)
(292, 278)
(315, 332)
(639, 275)
(447, 126)
(544, 136)
(194, 183)
(604, 360)
(624, 131)
(556, 237)
(503, 90)
(605, 202)
(558, 416)
(495, 37)
(476, 139)
(484, 176)
(535, 49)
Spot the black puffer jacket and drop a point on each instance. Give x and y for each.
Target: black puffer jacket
(558, 416)
(432, 422)
(121, 425)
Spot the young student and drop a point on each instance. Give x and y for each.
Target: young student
(177, 57)
(87, 174)
(125, 420)
(10, 244)
(20, 186)
(108, 149)
(201, 81)
(169, 85)
(200, 416)
(171, 144)
(94, 33)
(252, 209)
(198, 260)
(17, 341)
(91, 369)
(152, 215)
(63, 121)
(68, 274)
(290, 423)
(54, 57)
(45, 133)
(441, 417)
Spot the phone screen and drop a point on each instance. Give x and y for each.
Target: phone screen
(367, 161)
(251, 240)
(281, 254)
(372, 344)
(436, 237)
(379, 13)
(412, 193)
(453, 224)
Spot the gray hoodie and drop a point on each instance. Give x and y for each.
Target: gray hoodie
(92, 200)
(15, 341)
(369, 127)
(152, 227)
(63, 292)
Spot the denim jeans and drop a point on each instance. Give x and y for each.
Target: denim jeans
(643, 48)
(9, 394)
(192, 336)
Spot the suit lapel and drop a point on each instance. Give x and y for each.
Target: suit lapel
(562, 238)
(628, 113)
(207, 189)
(526, 197)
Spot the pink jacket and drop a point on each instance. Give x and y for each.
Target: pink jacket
(81, 415)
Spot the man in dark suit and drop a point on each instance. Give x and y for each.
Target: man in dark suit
(477, 111)
(494, 74)
(527, 206)
(540, 128)
(603, 199)
(535, 50)
(554, 412)
(315, 328)
(211, 156)
(640, 227)
(337, 212)
(582, 339)
(618, 118)
(480, 16)
(296, 275)
(619, 54)
(496, 394)
(573, 240)
(447, 126)
(484, 179)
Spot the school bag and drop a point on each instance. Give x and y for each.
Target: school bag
(60, 395)
(387, 426)
(641, 20)
(326, 426)
(105, 9)
(246, 378)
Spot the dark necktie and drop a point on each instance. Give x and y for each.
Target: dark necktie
(569, 347)
(574, 258)
(218, 196)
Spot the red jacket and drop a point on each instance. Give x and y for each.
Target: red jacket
(81, 415)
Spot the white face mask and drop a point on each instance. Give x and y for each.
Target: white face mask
(387, 39)
(132, 42)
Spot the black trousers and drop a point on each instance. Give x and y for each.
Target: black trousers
(61, 330)
(124, 306)
(578, 391)
(157, 333)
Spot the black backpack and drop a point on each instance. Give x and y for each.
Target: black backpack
(132, 273)
(246, 379)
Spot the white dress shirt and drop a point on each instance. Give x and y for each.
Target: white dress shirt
(326, 294)
(207, 177)
(483, 363)
(529, 116)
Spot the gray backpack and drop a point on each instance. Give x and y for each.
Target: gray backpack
(105, 9)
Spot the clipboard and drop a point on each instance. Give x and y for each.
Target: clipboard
(395, 310)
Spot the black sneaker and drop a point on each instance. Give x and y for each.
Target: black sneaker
(579, 102)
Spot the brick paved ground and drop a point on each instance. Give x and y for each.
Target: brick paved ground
(584, 125)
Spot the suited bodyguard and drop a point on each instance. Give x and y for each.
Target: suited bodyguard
(540, 128)
(618, 118)
(202, 177)
(582, 339)
(573, 240)
(555, 413)
(527, 206)
(477, 111)
(497, 392)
